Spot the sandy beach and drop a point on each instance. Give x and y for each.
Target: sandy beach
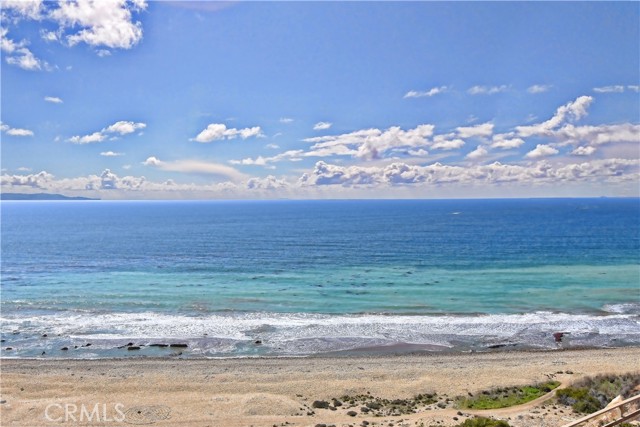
(281, 391)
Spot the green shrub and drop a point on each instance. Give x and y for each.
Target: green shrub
(594, 393)
(483, 422)
(505, 397)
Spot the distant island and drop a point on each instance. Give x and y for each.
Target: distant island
(39, 196)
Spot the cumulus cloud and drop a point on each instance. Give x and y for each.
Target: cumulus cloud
(195, 166)
(31, 9)
(609, 89)
(15, 131)
(447, 142)
(121, 128)
(634, 88)
(538, 89)
(598, 135)
(541, 150)
(486, 90)
(371, 143)
(268, 183)
(25, 59)
(583, 151)
(484, 130)
(322, 126)
(506, 141)
(572, 111)
(53, 99)
(124, 127)
(428, 93)
(219, 131)
(286, 120)
(101, 23)
(111, 154)
(479, 153)
(325, 174)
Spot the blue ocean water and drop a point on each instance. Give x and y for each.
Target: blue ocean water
(239, 278)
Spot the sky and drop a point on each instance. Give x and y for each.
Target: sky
(135, 99)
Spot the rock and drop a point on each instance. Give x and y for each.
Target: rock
(321, 425)
(44, 335)
(2, 340)
(43, 353)
(158, 345)
(2, 402)
(9, 348)
(64, 348)
(364, 409)
(320, 404)
(336, 403)
(126, 345)
(87, 345)
(352, 413)
(258, 342)
(133, 347)
(178, 345)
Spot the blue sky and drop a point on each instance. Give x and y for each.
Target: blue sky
(132, 99)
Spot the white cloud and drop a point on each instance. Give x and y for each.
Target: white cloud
(486, 90)
(272, 146)
(103, 23)
(506, 141)
(268, 183)
(322, 126)
(496, 173)
(124, 127)
(53, 99)
(442, 142)
(219, 131)
(88, 139)
(583, 151)
(111, 154)
(371, 143)
(15, 131)
(103, 52)
(570, 112)
(538, 88)
(541, 150)
(26, 60)
(609, 89)
(483, 130)
(598, 135)
(634, 88)
(429, 93)
(479, 153)
(196, 166)
(286, 120)
(30, 9)
(49, 36)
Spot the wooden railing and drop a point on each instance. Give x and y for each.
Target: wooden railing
(623, 417)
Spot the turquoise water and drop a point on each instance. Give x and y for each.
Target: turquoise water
(307, 277)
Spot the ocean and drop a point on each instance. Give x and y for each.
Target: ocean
(84, 279)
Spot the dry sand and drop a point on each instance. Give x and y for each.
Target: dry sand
(268, 392)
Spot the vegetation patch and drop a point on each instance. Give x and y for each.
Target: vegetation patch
(378, 407)
(594, 393)
(508, 396)
(483, 422)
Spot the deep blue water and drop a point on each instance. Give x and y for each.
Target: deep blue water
(306, 277)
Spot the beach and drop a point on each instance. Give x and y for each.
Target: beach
(282, 391)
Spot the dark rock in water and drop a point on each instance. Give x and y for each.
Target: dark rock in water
(43, 353)
(2, 340)
(320, 404)
(497, 346)
(87, 345)
(44, 335)
(258, 342)
(64, 348)
(126, 345)
(9, 348)
(158, 345)
(178, 345)
(133, 347)
(75, 346)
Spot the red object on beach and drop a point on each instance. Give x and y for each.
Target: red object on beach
(558, 336)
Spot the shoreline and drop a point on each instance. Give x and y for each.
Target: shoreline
(263, 391)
